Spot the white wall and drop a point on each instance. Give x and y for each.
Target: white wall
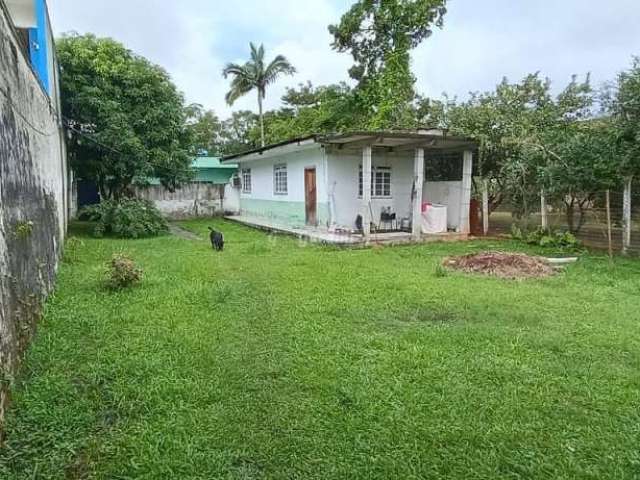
(445, 193)
(343, 185)
(343, 172)
(262, 175)
(287, 209)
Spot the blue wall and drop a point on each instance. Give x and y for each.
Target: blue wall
(39, 44)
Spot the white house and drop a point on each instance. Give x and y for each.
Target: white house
(360, 187)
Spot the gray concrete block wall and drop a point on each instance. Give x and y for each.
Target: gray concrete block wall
(193, 200)
(33, 203)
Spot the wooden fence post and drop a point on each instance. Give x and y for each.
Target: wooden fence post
(626, 215)
(485, 206)
(609, 225)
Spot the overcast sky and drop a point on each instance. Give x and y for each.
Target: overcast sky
(481, 41)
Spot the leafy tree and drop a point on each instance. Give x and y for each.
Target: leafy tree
(239, 133)
(584, 163)
(309, 109)
(205, 129)
(127, 118)
(517, 128)
(380, 35)
(624, 107)
(256, 75)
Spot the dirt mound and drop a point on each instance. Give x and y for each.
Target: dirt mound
(500, 264)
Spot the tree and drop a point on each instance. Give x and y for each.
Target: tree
(624, 107)
(308, 110)
(239, 133)
(255, 75)
(518, 128)
(380, 35)
(205, 129)
(127, 118)
(584, 163)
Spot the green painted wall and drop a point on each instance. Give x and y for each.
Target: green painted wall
(284, 213)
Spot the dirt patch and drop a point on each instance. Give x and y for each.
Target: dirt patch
(500, 264)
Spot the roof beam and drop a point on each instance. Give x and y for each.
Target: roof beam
(362, 142)
(421, 144)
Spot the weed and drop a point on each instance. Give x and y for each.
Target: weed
(123, 272)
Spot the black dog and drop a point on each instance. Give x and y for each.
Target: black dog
(217, 240)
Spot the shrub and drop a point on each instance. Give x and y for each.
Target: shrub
(128, 218)
(123, 272)
(544, 237)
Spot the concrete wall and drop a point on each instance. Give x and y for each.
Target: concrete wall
(193, 200)
(286, 209)
(23, 13)
(33, 200)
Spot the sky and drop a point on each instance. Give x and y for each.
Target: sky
(481, 41)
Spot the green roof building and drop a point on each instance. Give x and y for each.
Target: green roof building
(210, 170)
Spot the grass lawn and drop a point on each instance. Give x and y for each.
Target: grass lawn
(276, 359)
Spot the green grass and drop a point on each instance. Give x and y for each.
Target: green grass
(276, 359)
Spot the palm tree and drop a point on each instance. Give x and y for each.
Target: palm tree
(255, 75)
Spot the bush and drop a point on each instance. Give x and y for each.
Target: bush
(123, 272)
(128, 218)
(544, 237)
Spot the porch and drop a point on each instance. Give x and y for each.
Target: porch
(415, 185)
(343, 238)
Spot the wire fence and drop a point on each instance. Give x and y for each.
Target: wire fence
(588, 222)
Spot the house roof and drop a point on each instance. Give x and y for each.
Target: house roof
(396, 139)
(210, 162)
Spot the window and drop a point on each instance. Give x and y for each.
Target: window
(380, 182)
(246, 180)
(280, 179)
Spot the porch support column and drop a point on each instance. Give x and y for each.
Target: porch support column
(418, 182)
(626, 215)
(465, 197)
(365, 208)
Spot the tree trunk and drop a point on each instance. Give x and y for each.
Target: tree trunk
(570, 214)
(261, 117)
(582, 211)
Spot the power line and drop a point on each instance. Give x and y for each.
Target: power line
(24, 118)
(69, 125)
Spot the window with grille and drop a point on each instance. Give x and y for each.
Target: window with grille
(280, 179)
(380, 182)
(246, 180)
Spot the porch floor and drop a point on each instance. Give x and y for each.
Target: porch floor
(322, 235)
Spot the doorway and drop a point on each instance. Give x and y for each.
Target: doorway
(310, 197)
